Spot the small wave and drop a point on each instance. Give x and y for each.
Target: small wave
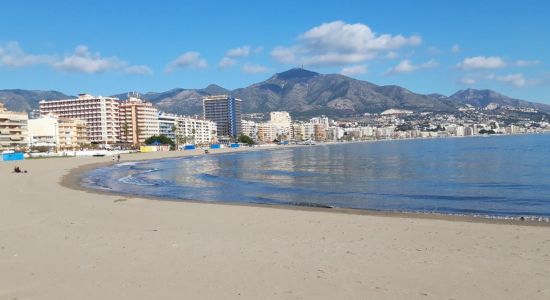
(131, 179)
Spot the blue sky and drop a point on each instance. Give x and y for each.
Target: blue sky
(108, 47)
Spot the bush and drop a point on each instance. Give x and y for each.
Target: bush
(245, 139)
(159, 139)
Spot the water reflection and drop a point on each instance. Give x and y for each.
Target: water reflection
(472, 175)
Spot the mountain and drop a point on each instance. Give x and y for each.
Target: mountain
(303, 93)
(482, 98)
(25, 100)
(181, 101)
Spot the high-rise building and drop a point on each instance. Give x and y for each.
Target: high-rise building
(225, 111)
(13, 129)
(101, 115)
(138, 121)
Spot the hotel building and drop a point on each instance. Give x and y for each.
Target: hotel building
(101, 115)
(225, 111)
(138, 121)
(13, 129)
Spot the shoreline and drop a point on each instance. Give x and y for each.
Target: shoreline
(73, 180)
(63, 243)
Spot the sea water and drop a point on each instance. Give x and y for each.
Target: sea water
(495, 176)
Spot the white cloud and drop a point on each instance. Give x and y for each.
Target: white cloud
(226, 62)
(406, 66)
(190, 59)
(526, 63)
(468, 80)
(392, 55)
(138, 70)
(243, 51)
(517, 80)
(482, 62)
(337, 43)
(254, 69)
(455, 48)
(82, 60)
(354, 70)
(11, 55)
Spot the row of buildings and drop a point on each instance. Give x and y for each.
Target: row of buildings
(95, 120)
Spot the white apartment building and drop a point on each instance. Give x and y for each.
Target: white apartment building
(168, 125)
(282, 120)
(57, 134)
(44, 132)
(101, 115)
(196, 131)
(250, 128)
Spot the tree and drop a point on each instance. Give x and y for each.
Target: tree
(245, 139)
(159, 139)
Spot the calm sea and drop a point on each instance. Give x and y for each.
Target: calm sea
(492, 176)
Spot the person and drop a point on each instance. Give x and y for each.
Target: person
(118, 157)
(17, 169)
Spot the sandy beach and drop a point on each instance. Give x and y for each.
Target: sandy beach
(58, 242)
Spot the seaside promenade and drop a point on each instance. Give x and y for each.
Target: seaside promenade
(58, 242)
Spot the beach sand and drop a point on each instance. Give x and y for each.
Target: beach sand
(62, 243)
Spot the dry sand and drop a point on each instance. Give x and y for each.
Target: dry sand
(62, 243)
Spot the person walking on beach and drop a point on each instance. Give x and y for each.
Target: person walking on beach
(118, 158)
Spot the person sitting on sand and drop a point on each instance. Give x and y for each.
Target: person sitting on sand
(18, 170)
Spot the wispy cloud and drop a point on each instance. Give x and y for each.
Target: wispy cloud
(354, 70)
(517, 80)
(12, 55)
(482, 62)
(243, 51)
(526, 63)
(455, 48)
(190, 59)
(406, 66)
(226, 62)
(254, 68)
(338, 43)
(82, 60)
(138, 70)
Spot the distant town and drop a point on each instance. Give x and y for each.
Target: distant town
(96, 122)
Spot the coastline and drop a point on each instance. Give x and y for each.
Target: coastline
(61, 243)
(73, 179)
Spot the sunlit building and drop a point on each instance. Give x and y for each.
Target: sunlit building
(101, 115)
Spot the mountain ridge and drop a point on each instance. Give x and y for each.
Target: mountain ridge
(302, 93)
